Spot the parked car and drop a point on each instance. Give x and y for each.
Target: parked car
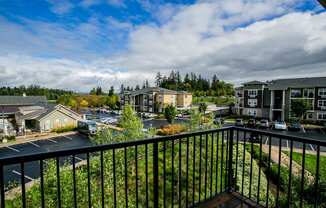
(295, 126)
(264, 124)
(239, 122)
(280, 125)
(251, 123)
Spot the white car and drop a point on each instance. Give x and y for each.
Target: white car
(280, 125)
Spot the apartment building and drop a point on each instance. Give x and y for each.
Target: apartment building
(154, 99)
(273, 99)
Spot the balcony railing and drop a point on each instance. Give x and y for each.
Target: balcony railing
(187, 170)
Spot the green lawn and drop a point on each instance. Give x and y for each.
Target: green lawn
(310, 164)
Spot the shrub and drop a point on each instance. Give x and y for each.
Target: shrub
(64, 129)
(171, 129)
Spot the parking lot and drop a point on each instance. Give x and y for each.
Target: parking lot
(13, 172)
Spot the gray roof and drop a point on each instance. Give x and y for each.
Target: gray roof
(23, 100)
(282, 84)
(255, 82)
(154, 89)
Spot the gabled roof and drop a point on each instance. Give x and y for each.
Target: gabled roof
(282, 84)
(154, 89)
(44, 112)
(22, 100)
(255, 82)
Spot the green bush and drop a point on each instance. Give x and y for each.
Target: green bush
(64, 129)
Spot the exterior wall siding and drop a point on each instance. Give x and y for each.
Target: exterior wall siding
(56, 120)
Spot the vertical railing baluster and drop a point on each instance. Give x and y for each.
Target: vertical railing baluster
(187, 172)
(2, 188)
(259, 167)
(180, 185)
(317, 178)
(126, 176)
(58, 182)
(136, 167)
(200, 159)
(206, 158)
(193, 171)
(279, 173)
(243, 163)
(290, 175)
(268, 168)
(236, 162)
(230, 161)
(217, 156)
(222, 157)
(42, 184)
(146, 172)
(211, 168)
(22, 179)
(164, 173)
(155, 174)
(302, 174)
(172, 171)
(88, 182)
(226, 172)
(102, 179)
(114, 179)
(74, 179)
(251, 161)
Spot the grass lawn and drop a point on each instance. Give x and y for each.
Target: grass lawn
(310, 164)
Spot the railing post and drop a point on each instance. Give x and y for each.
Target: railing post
(155, 172)
(2, 188)
(230, 171)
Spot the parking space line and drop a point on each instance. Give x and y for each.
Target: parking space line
(312, 147)
(287, 144)
(26, 176)
(78, 158)
(52, 140)
(67, 137)
(11, 148)
(36, 145)
(266, 141)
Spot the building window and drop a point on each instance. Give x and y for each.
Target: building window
(321, 116)
(322, 103)
(296, 93)
(252, 93)
(308, 93)
(252, 102)
(322, 92)
(310, 116)
(252, 112)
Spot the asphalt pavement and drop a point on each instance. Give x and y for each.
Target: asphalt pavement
(12, 173)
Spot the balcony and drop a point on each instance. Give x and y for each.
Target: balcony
(227, 167)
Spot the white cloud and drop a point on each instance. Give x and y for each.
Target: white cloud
(195, 38)
(61, 7)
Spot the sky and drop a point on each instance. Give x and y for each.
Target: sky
(78, 45)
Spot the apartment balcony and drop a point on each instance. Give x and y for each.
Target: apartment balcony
(227, 167)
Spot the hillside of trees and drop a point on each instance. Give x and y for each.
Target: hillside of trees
(192, 82)
(195, 83)
(51, 94)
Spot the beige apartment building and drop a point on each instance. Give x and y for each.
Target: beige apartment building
(155, 99)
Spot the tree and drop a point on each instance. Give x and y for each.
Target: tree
(170, 112)
(299, 108)
(83, 103)
(146, 84)
(158, 79)
(132, 125)
(111, 91)
(202, 107)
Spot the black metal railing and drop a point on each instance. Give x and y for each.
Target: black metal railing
(186, 170)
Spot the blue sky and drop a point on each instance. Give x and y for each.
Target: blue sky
(81, 44)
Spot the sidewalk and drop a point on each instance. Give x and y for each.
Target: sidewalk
(31, 138)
